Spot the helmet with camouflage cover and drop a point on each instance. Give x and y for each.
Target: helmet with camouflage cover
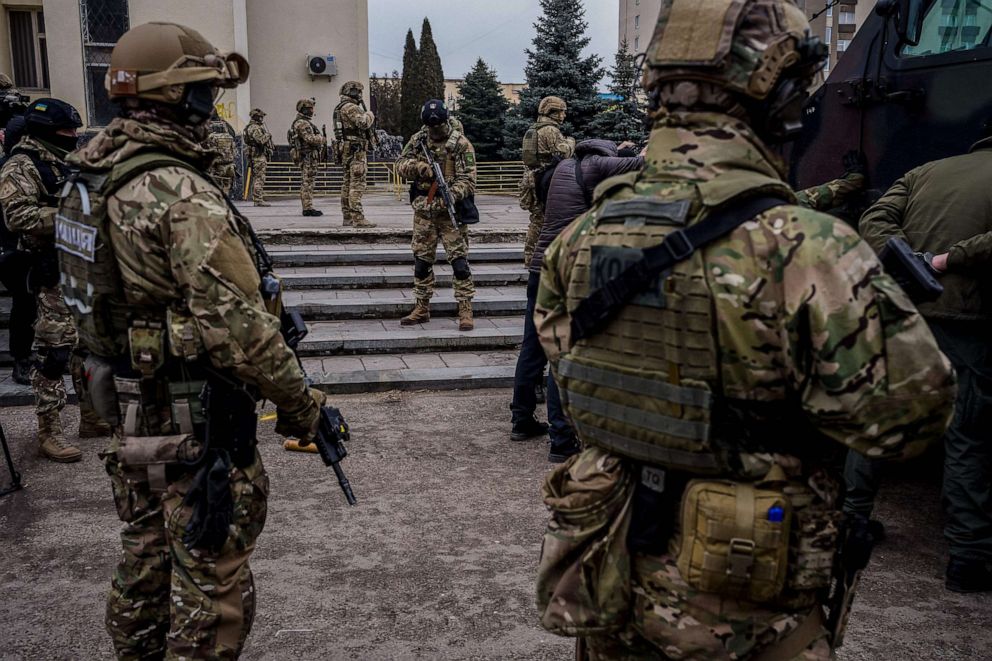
(257, 114)
(755, 56)
(552, 105)
(306, 107)
(353, 89)
(158, 61)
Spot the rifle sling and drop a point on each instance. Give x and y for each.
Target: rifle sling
(596, 310)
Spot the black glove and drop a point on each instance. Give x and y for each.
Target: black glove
(855, 162)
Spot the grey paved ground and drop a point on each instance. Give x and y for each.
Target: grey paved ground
(437, 561)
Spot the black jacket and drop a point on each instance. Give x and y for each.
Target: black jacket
(567, 200)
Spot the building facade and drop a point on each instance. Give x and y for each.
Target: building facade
(61, 48)
(451, 93)
(835, 25)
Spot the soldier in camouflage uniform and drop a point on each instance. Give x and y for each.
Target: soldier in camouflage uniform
(220, 140)
(740, 368)
(175, 279)
(308, 148)
(431, 221)
(260, 149)
(543, 142)
(354, 135)
(31, 178)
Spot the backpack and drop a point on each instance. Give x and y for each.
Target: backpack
(528, 153)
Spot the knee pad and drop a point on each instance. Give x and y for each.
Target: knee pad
(422, 269)
(461, 269)
(54, 362)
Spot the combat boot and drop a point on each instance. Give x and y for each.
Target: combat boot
(91, 425)
(362, 222)
(421, 313)
(465, 322)
(51, 440)
(262, 203)
(22, 371)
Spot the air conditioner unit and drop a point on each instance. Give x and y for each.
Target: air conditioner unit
(322, 65)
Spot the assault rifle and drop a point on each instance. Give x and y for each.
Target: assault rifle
(913, 271)
(333, 431)
(370, 133)
(440, 186)
(323, 150)
(856, 544)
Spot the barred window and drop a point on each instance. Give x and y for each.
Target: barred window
(28, 49)
(102, 23)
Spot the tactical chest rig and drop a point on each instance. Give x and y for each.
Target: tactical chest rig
(347, 138)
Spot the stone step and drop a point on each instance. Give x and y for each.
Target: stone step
(344, 304)
(322, 255)
(372, 276)
(352, 374)
(358, 337)
(378, 235)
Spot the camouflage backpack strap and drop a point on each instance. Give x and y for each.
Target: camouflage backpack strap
(137, 165)
(596, 311)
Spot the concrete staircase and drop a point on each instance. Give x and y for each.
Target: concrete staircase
(352, 296)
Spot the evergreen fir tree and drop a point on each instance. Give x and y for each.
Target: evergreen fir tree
(431, 73)
(556, 67)
(622, 119)
(482, 109)
(410, 85)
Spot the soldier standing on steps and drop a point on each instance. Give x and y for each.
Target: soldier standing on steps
(353, 133)
(307, 148)
(431, 221)
(260, 148)
(221, 141)
(31, 179)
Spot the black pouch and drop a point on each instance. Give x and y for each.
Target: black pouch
(468, 213)
(213, 505)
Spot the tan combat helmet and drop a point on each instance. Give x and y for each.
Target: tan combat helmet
(760, 51)
(352, 89)
(304, 105)
(553, 107)
(5, 82)
(257, 114)
(156, 61)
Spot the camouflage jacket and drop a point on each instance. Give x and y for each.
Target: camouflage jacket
(221, 142)
(307, 137)
(551, 142)
(803, 311)
(832, 194)
(179, 247)
(457, 158)
(28, 208)
(258, 139)
(355, 122)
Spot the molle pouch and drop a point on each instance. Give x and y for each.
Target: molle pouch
(146, 341)
(583, 581)
(527, 191)
(734, 539)
(813, 547)
(149, 457)
(184, 336)
(186, 402)
(100, 389)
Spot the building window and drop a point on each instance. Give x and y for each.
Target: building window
(847, 17)
(637, 43)
(102, 23)
(637, 3)
(830, 11)
(28, 49)
(637, 21)
(842, 45)
(828, 35)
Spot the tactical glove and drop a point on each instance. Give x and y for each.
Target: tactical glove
(855, 163)
(424, 171)
(302, 422)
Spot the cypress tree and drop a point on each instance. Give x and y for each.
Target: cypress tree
(410, 101)
(622, 119)
(556, 67)
(482, 109)
(431, 73)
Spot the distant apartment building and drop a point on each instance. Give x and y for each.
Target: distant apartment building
(835, 25)
(451, 94)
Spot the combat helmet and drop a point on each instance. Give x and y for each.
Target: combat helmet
(352, 89)
(5, 82)
(305, 106)
(552, 104)
(756, 53)
(434, 113)
(257, 114)
(158, 61)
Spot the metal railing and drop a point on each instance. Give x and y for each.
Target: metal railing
(282, 178)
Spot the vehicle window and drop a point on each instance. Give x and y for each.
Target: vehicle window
(953, 25)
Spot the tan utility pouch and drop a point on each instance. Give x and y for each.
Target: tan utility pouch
(152, 455)
(147, 343)
(527, 191)
(734, 539)
(583, 580)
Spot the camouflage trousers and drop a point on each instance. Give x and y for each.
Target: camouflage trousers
(308, 174)
(353, 187)
(427, 231)
(533, 233)
(53, 329)
(259, 165)
(224, 177)
(166, 601)
(670, 620)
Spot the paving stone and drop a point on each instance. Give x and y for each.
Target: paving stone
(462, 359)
(383, 363)
(342, 364)
(423, 361)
